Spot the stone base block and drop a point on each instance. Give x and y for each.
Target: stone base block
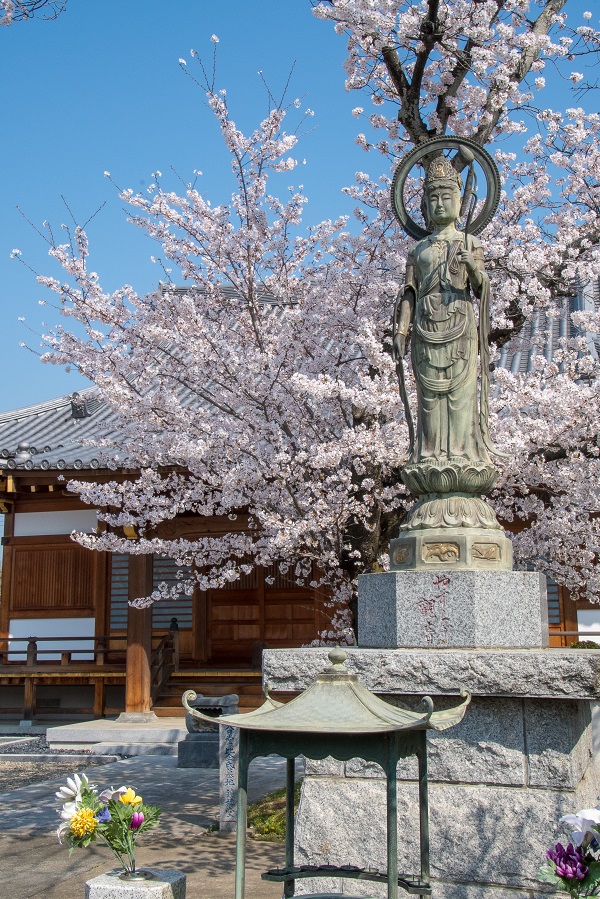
(435, 549)
(165, 884)
(199, 750)
(453, 609)
(481, 836)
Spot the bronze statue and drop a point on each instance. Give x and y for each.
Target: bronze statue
(443, 272)
(449, 464)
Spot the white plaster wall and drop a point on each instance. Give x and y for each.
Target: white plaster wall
(588, 620)
(32, 524)
(52, 627)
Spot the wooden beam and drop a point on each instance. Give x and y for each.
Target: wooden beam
(139, 637)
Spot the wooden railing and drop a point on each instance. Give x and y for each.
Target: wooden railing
(34, 652)
(98, 650)
(577, 636)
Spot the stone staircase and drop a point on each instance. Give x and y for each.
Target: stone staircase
(247, 684)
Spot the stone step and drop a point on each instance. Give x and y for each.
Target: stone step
(132, 748)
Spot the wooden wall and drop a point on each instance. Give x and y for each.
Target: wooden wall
(51, 576)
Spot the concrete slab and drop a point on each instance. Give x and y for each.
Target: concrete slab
(157, 737)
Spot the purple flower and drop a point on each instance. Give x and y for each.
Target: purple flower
(103, 816)
(570, 862)
(137, 819)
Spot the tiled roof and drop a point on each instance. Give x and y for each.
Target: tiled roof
(540, 335)
(51, 435)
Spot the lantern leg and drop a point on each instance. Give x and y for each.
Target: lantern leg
(242, 816)
(289, 885)
(423, 809)
(392, 825)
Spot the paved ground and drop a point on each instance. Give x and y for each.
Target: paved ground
(33, 865)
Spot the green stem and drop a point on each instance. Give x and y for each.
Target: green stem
(130, 868)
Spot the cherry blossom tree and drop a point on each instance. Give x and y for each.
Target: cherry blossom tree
(21, 10)
(265, 387)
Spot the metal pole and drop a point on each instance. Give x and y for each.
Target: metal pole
(392, 821)
(423, 809)
(289, 885)
(242, 815)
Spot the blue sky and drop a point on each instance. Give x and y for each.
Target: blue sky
(101, 89)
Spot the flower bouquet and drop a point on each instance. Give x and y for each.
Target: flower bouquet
(576, 867)
(116, 816)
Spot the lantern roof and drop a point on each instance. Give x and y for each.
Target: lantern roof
(338, 703)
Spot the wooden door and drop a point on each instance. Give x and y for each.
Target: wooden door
(265, 608)
(235, 621)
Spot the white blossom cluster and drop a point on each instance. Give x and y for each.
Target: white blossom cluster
(7, 7)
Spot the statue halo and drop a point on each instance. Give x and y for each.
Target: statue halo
(435, 146)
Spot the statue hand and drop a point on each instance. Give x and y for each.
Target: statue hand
(399, 347)
(466, 257)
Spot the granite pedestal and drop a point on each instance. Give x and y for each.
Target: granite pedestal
(164, 884)
(453, 608)
(499, 781)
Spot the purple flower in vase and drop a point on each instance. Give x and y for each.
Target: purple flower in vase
(570, 862)
(103, 816)
(137, 819)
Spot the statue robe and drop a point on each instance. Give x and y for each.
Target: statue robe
(444, 351)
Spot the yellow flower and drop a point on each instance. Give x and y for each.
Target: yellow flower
(83, 822)
(129, 797)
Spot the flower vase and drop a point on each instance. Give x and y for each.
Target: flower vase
(133, 876)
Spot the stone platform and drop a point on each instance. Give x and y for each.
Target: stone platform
(453, 608)
(150, 736)
(499, 781)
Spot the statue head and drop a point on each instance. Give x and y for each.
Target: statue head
(442, 180)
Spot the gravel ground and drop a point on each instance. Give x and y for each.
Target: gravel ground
(15, 773)
(10, 745)
(19, 772)
(14, 743)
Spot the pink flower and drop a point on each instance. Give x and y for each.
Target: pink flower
(137, 820)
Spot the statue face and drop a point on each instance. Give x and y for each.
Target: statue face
(443, 205)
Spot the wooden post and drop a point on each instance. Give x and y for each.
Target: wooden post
(100, 651)
(99, 697)
(31, 653)
(28, 702)
(139, 638)
(174, 631)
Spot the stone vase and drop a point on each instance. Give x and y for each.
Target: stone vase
(162, 884)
